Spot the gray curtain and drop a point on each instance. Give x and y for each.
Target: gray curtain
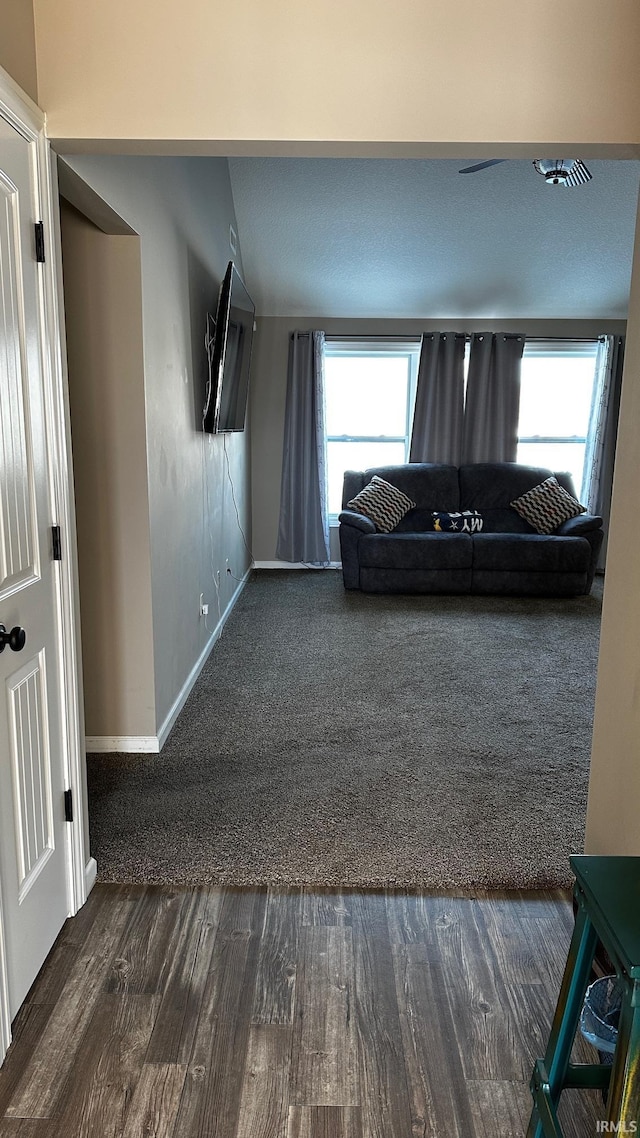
(600, 450)
(436, 435)
(303, 533)
(493, 398)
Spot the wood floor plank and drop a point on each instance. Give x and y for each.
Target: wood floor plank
(324, 1122)
(498, 1108)
(210, 1099)
(55, 1053)
(513, 952)
(50, 981)
(264, 1096)
(277, 961)
(553, 933)
(384, 1095)
(580, 1112)
(146, 953)
(156, 1098)
(324, 1069)
(177, 1020)
(411, 917)
(75, 930)
(26, 1128)
(325, 907)
(437, 1086)
(97, 1094)
(28, 1029)
(487, 1038)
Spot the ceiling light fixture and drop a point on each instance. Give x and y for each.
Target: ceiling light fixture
(563, 171)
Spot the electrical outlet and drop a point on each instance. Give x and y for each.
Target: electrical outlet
(228, 566)
(204, 607)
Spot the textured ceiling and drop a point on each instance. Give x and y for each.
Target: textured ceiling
(406, 238)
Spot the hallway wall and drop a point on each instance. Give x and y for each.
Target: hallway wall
(182, 209)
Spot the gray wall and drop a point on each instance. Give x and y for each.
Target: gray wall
(182, 209)
(269, 386)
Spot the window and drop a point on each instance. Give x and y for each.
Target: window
(555, 402)
(369, 394)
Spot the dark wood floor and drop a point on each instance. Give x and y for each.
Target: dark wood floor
(240, 1014)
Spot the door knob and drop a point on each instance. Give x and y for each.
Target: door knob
(16, 639)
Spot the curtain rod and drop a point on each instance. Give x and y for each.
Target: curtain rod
(458, 332)
(468, 335)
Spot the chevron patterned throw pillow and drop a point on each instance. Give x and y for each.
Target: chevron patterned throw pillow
(383, 503)
(547, 505)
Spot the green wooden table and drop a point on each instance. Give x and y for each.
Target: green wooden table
(607, 892)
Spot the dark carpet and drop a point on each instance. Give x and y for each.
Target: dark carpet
(341, 739)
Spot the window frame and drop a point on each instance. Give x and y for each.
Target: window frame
(404, 347)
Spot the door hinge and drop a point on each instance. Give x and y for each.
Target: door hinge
(68, 806)
(39, 228)
(56, 541)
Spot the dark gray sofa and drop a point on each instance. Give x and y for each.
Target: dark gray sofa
(507, 557)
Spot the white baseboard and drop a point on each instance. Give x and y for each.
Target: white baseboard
(294, 565)
(127, 744)
(185, 691)
(90, 874)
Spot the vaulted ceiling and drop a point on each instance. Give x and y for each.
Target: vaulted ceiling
(407, 238)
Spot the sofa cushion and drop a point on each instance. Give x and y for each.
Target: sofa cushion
(547, 505)
(531, 552)
(416, 521)
(433, 581)
(431, 485)
(504, 521)
(385, 504)
(532, 584)
(416, 551)
(488, 486)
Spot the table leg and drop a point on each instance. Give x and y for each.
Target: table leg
(565, 1021)
(623, 1103)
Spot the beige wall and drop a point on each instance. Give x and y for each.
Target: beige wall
(613, 818)
(182, 210)
(103, 311)
(269, 389)
(18, 44)
(448, 72)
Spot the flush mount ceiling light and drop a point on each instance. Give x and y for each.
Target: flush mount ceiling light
(555, 171)
(563, 171)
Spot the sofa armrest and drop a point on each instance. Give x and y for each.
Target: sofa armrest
(359, 521)
(575, 527)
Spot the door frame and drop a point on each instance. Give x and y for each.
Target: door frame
(26, 117)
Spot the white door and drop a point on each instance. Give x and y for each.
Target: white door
(32, 817)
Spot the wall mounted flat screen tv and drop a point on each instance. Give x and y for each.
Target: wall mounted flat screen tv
(229, 350)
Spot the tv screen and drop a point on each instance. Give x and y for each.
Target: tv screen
(229, 356)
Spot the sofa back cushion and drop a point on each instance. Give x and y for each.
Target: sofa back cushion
(431, 485)
(489, 487)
